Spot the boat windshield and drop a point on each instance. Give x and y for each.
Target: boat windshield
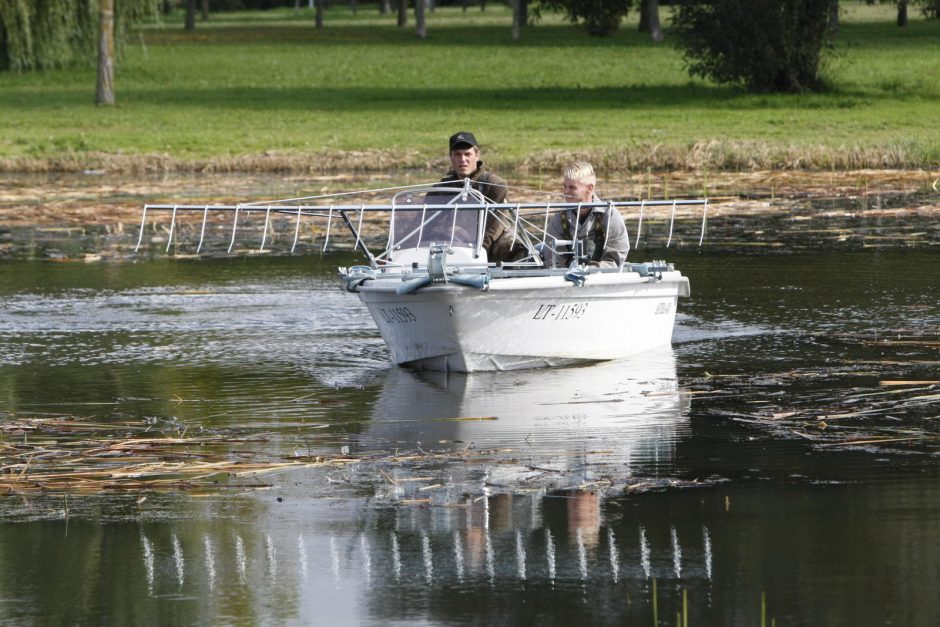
(415, 225)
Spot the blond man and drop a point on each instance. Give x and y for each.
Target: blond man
(600, 231)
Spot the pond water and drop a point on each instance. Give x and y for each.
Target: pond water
(777, 466)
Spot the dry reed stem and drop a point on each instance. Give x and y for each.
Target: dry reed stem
(56, 461)
(53, 459)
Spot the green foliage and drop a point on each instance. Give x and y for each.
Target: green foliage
(764, 45)
(601, 18)
(14, 18)
(40, 35)
(44, 34)
(930, 8)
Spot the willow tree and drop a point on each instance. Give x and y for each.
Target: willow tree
(37, 35)
(40, 35)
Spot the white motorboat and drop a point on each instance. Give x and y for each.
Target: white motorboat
(441, 305)
(520, 321)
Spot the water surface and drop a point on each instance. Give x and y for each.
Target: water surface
(717, 479)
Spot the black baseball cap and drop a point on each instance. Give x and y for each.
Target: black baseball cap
(463, 138)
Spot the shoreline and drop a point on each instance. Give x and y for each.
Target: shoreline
(718, 156)
(94, 215)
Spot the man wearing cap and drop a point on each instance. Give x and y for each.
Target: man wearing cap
(466, 163)
(600, 230)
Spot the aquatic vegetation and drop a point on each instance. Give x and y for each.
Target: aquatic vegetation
(67, 454)
(890, 400)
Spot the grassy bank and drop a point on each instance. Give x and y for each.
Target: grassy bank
(267, 91)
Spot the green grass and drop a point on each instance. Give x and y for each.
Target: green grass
(364, 93)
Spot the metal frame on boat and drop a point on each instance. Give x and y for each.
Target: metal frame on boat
(440, 304)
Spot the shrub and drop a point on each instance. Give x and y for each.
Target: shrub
(764, 45)
(600, 17)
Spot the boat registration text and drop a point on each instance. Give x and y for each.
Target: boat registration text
(560, 312)
(398, 315)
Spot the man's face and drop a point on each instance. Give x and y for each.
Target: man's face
(465, 160)
(578, 191)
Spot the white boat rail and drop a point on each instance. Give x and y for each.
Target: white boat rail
(440, 302)
(527, 220)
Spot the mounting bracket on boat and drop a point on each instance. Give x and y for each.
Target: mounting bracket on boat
(580, 254)
(440, 273)
(437, 271)
(577, 276)
(437, 263)
(356, 276)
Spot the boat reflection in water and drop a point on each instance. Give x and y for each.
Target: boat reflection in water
(478, 483)
(526, 503)
(551, 428)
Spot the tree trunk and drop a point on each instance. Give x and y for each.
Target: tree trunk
(834, 16)
(516, 31)
(421, 30)
(523, 13)
(105, 92)
(902, 12)
(205, 10)
(385, 7)
(190, 23)
(354, 5)
(318, 16)
(649, 19)
(402, 13)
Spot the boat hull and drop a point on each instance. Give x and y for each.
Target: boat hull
(525, 322)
